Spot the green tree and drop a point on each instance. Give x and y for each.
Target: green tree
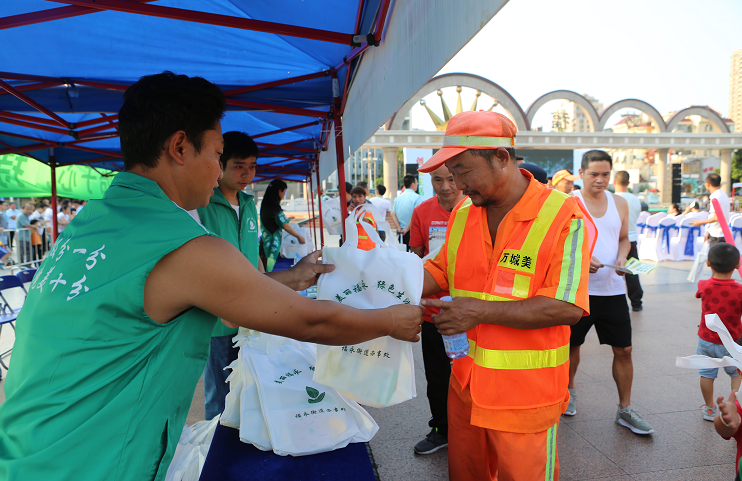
(737, 166)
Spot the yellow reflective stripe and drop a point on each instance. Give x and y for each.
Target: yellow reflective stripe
(551, 435)
(477, 295)
(454, 240)
(569, 275)
(520, 359)
(471, 141)
(521, 285)
(544, 219)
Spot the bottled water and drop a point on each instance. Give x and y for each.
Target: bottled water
(457, 346)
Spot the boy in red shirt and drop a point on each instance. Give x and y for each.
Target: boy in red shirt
(723, 296)
(427, 234)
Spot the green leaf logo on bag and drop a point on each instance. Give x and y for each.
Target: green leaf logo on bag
(315, 396)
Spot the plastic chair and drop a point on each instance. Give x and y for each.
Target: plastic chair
(641, 222)
(685, 246)
(26, 275)
(736, 227)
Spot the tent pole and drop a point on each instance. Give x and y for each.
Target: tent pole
(306, 198)
(340, 166)
(319, 205)
(314, 217)
(53, 166)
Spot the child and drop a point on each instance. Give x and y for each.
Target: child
(35, 241)
(358, 198)
(723, 296)
(727, 423)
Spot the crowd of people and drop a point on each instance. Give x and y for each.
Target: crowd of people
(494, 231)
(29, 230)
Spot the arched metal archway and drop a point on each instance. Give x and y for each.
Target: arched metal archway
(592, 115)
(465, 80)
(633, 104)
(703, 112)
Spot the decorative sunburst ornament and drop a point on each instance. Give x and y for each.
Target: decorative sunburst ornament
(441, 124)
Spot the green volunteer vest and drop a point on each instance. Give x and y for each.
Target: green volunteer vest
(96, 389)
(221, 219)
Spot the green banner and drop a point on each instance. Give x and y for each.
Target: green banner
(25, 177)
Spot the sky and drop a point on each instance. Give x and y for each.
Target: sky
(669, 53)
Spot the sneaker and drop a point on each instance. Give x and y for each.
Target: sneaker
(432, 443)
(571, 409)
(637, 308)
(633, 420)
(709, 413)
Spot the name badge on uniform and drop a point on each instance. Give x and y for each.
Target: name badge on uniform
(518, 260)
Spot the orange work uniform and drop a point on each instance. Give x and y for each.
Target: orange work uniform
(364, 242)
(506, 397)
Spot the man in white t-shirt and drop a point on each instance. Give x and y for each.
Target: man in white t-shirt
(11, 214)
(633, 287)
(714, 234)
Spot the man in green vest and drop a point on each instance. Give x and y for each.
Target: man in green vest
(232, 215)
(115, 331)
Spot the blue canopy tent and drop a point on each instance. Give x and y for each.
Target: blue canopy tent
(284, 71)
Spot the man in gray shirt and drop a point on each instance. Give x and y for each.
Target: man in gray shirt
(633, 287)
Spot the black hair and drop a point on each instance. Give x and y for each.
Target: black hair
(271, 193)
(622, 178)
(35, 221)
(237, 145)
(157, 106)
(363, 184)
(518, 157)
(489, 154)
(358, 190)
(723, 258)
(595, 156)
(348, 187)
(381, 189)
(409, 180)
(714, 180)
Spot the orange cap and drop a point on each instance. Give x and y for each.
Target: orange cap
(473, 130)
(561, 175)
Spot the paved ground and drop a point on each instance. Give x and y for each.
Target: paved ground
(591, 446)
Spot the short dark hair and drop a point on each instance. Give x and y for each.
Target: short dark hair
(488, 154)
(237, 145)
(363, 184)
(723, 257)
(381, 189)
(595, 156)
(348, 187)
(714, 180)
(409, 180)
(358, 190)
(518, 157)
(622, 178)
(157, 106)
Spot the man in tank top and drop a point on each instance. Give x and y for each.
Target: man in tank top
(609, 311)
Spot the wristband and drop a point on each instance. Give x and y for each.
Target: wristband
(725, 424)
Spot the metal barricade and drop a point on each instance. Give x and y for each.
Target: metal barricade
(24, 248)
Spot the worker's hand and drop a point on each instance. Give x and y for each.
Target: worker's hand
(620, 262)
(457, 316)
(728, 411)
(306, 272)
(697, 223)
(301, 239)
(407, 321)
(229, 324)
(595, 264)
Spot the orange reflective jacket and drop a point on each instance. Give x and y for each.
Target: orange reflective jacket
(511, 368)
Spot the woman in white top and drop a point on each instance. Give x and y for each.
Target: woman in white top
(64, 216)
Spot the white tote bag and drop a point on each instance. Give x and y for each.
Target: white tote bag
(190, 454)
(332, 216)
(699, 263)
(303, 417)
(379, 372)
(290, 247)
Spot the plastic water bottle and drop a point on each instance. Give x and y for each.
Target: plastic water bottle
(457, 346)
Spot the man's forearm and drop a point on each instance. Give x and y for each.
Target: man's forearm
(532, 313)
(430, 286)
(624, 246)
(333, 324)
(287, 278)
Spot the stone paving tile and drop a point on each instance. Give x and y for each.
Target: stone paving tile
(579, 460)
(723, 472)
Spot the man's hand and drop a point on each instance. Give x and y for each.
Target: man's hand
(407, 322)
(620, 262)
(595, 264)
(697, 223)
(457, 316)
(304, 274)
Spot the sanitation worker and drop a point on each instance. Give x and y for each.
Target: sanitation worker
(515, 261)
(115, 332)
